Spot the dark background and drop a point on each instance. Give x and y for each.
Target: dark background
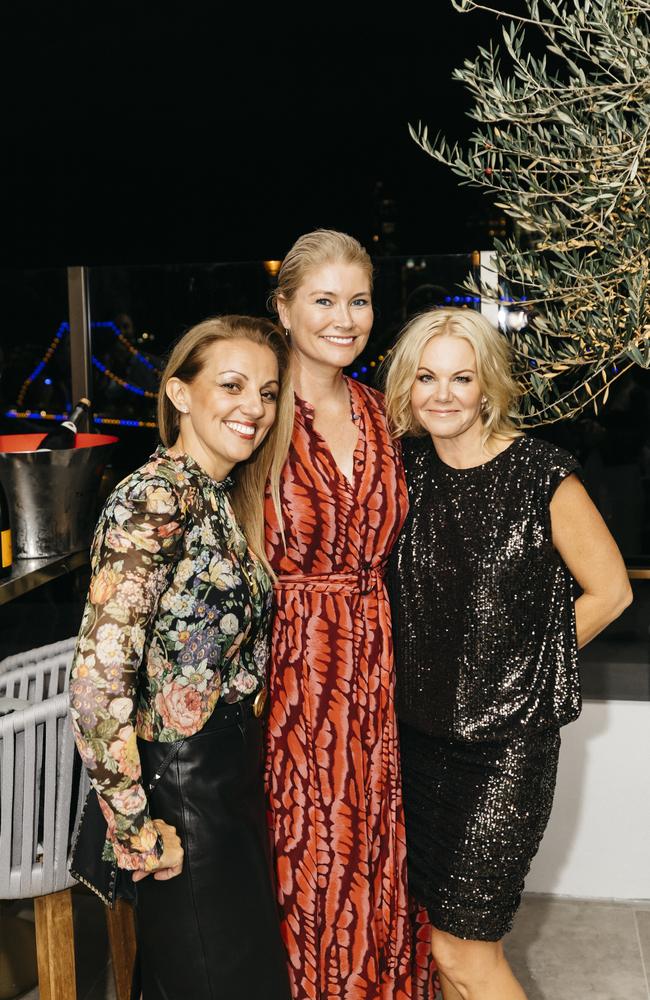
(154, 134)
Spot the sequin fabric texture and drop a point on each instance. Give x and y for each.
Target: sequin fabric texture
(475, 816)
(483, 616)
(486, 660)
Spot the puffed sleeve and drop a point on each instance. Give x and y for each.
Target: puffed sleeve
(136, 546)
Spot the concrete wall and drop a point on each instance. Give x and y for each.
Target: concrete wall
(598, 840)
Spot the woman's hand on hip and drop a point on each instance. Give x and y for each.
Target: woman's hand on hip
(170, 862)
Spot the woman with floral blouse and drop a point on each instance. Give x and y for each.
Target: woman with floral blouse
(168, 681)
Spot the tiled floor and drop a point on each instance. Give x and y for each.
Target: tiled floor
(560, 949)
(565, 949)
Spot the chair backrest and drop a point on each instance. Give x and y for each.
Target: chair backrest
(42, 782)
(37, 681)
(39, 654)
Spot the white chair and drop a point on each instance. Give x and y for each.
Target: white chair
(39, 654)
(42, 790)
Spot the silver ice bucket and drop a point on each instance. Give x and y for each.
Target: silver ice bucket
(52, 495)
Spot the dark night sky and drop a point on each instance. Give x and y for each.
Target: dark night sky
(169, 137)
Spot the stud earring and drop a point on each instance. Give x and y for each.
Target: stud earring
(287, 332)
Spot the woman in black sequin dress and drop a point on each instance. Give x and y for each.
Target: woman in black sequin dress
(486, 634)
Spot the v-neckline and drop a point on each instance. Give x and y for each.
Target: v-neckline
(356, 417)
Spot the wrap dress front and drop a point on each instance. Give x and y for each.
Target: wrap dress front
(333, 774)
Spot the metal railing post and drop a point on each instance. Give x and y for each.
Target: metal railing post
(489, 272)
(80, 347)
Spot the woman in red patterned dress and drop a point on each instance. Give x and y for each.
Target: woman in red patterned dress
(333, 774)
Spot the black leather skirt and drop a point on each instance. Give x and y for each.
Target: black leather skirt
(212, 933)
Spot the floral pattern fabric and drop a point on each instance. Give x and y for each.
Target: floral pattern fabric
(177, 616)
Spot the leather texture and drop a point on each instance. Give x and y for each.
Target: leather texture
(212, 933)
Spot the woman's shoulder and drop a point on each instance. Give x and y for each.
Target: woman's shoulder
(544, 462)
(544, 454)
(156, 485)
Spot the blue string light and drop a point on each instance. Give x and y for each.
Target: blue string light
(102, 325)
(125, 385)
(124, 422)
(469, 299)
(109, 325)
(63, 328)
(36, 414)
(58, 417)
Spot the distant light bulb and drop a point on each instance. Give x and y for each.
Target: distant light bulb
(513, 319)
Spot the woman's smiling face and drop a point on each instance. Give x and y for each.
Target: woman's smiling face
(446, 396)
(229, 408)
(330, 316)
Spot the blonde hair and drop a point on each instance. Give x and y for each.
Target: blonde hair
(312, 250)
(493, 369)
(185, 362)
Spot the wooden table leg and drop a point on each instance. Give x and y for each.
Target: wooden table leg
(121, 937)
(55, 946)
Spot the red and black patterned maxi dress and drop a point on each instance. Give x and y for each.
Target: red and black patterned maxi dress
(333, 773)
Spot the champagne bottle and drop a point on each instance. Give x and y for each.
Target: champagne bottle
(64, 435)
(6, 558)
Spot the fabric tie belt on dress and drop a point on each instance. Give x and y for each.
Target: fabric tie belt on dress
(366, 580)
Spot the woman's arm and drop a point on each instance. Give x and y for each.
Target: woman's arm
(136, 546)
(592, 557)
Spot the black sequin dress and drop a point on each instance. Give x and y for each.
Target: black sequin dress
(486, 660)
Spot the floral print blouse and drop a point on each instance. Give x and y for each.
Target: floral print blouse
(177, 616)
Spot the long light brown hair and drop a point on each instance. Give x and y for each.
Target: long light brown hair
(185, 362)
(493, 370)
